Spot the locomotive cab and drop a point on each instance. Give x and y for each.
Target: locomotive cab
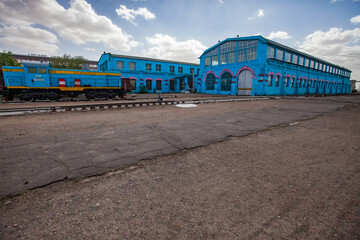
(37, 75)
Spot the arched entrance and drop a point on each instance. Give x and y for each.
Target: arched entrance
(245, 82)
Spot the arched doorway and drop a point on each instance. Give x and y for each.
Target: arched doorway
(245, 82)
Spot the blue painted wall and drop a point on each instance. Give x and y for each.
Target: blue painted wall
(110, 62)
(309, 79)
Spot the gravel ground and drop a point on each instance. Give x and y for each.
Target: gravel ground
(289, 182)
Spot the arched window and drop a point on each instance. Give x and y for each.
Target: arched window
(226, 79)
(277, 79)
(300, 83)
(270, 80)
(172, 85)
(158, 84)
(149, 85)
(292, 82)
(287, 81)
(210, 81)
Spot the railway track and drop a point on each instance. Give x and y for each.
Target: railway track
(119, 105)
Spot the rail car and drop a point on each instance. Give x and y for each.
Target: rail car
(40, 81)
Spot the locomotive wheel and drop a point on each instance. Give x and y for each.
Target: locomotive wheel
(53, 96)
(90, 95)
(27, 97)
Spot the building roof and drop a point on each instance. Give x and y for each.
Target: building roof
(152, 59)
(268, 41)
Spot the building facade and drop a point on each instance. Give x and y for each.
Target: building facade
(149, 74)
(257, 66)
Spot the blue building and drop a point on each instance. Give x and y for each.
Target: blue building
(149, 74)
(258, 66)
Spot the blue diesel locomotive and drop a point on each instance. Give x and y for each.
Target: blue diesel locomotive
(40, 81)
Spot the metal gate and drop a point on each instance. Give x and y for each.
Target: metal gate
(245, 82)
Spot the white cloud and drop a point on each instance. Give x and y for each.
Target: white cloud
(79, 23)
(90, 49)
(130, 14)
(166, 47)
(355, 19)
(279, 35)
(338, 46)
(220, 2)
(29, 38)
(336, 1)
(259, 13)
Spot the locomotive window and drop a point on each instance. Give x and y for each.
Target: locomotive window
(32, 70)
(42, 70)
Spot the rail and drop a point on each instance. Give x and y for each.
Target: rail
(120, 105)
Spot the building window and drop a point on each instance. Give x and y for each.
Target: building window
(148, 67)
(214, 60)
(191, 70)
(158, 84)
(316, 65)
(287, 81)
(228, 47)
(226, 79)
(241, 55)
(231, 57)
(312, 64)
(180, 69)
(277, 78)
(270, 80)
(32, 70)
(182, 84)
(301, 61)
(120, 64)
(320, 66)
(304, 85)
(198, 71)
(172, 69)
(287, 57)
(207, 61)
(279, 54)
(172, 85)
(42, 70)
(132, 66)
(132, 84)
(292, 82)
(149, 85)
(306, 62)
(210, 81)
(222, 59)
(270, 52)
(251, 53)
(158, 67)
(300, 82)
(295, 59)
(215, 51)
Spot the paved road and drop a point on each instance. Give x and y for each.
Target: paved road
(33, 161)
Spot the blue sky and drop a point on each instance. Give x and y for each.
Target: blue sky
(179, 29)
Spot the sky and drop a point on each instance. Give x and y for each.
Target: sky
(179, 29)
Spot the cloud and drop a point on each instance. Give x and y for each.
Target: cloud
(259, 13)
(90, 49)
(279, 35)
(332, 1)
(338, 46)
(79, 23)
(130, 14)
(355, 19)
(29, 38)
(166, 47)
(220, 2)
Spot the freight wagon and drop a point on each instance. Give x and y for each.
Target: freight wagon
(40, 81)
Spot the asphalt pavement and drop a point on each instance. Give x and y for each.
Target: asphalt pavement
(34, 161)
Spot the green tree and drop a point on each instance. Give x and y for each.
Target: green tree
(7, 59)
(67, 62)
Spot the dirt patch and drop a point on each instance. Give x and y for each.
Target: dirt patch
(294, 182)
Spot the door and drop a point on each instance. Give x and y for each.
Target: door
(245, 82)
(125, 83)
